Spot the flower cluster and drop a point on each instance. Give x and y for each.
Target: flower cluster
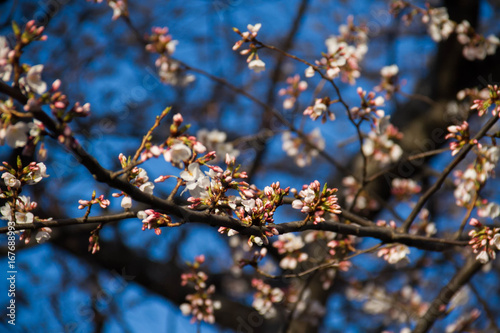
(265, 297)
(344, 52)
(389, 82)
(21, 212)
(439, 24)
(290, 246)
(440, 27)
(293, 91)
(59, 103)
(461, 134)
(320, 109)
(340, 246)
(368, 110)
(402, 305)
(216, 141)
(258, 207)
(6, 56)
(200, 304)
(181, 149)
(153, 220)
(476, 46)
(18, 209)
(482, 105)
(104, 203)
(169, 70)
(119, 7)
(487, 209)
(380, 144)
(363, 200)
(394, 253)
(9, 58)
(301, 151)
(424, 226)
(403, 189)
(484, 240)
(254, 62)
(210, 188)
(137, 177)
(469, 182)
(315, 202)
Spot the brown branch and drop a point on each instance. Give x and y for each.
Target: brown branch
(71, 221)
(438, 305)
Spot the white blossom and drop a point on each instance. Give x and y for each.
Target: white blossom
(177, 153)
(257, 65)
(126, 202)
(17, 135)
(10, 180)
(33, 80)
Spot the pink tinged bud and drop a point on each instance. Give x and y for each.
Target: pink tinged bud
(126, 202)
(474, 222)
(178, 119)
(56, 84)
(59, 105)
(199, 147)
(297, 204)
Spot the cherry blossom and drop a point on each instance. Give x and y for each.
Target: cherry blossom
(475, 46)
(402, 305)
(320, 109)
(196, 181)
(389, 80)
(16, 135)
(119, 8)
(290, 246)
(403, 189)
(152, 219)
(394, 253)
(315, 202)
(381, 147)
(257, 65)
(344, 53)
(177, 153)
(440, 25)
(363, 200)
(10, 180)
(200, 304)
(33, 80)
(215, 140)
(5, 66)
(170, 70)
(461, 134)
(37, 172)
(303, 153)
(293, 91)
(484, 241)
(104, 203)
(43, 235)
(265, 298)
(22, 210)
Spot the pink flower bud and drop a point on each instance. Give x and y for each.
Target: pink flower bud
(178, 119)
